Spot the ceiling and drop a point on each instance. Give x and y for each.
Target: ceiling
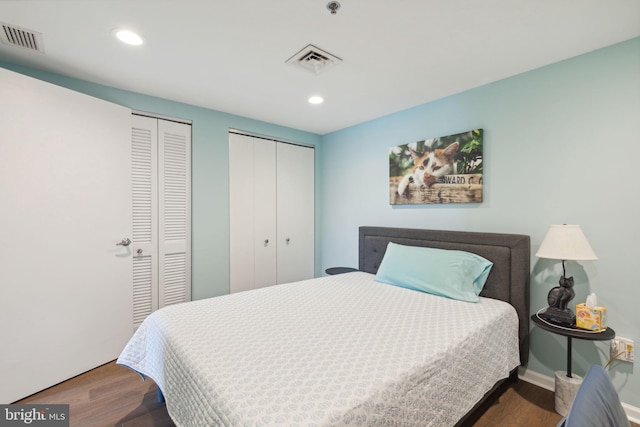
(231, 55)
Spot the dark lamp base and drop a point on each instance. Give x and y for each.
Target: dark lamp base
(559, 317)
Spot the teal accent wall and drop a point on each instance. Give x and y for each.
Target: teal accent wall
(210, 171)
(561, 145)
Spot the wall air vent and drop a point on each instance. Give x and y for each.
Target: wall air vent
(21, 37)
(314, 59)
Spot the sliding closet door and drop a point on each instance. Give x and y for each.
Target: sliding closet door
(271, 210)
(296, 215)
(65, 189)
(252, 204)
(241, 213)
(161, 181)
(264, 220)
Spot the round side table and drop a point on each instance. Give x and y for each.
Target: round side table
(566, 383)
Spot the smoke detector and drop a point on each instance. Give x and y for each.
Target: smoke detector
(314, 59)
(21, 37)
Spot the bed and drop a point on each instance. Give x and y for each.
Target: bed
(344, 349)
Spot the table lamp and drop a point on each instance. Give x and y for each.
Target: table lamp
(564, 242)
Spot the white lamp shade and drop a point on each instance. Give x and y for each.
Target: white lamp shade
(566, 242)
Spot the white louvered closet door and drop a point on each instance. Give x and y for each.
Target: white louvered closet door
(174, 213)
(144, 137)
(161, 214)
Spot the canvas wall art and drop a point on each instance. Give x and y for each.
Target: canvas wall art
(446, 169)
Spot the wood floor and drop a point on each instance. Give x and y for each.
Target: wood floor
(111, 395)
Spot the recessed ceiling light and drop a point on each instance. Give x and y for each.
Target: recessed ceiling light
(128, 37)
(316, 100)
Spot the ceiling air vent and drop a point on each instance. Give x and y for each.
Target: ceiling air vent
(314, 59)
(21, 37)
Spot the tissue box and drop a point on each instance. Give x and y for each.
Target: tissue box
(591, 318)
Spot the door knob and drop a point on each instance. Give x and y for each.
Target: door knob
(124, 242)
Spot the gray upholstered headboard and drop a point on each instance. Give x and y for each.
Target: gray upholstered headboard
(510, 254)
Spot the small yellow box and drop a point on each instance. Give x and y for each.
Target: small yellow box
(593, 319)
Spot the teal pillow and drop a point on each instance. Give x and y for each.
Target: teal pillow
(449, 273)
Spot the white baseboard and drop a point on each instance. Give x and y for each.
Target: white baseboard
(633, 412)
(548, 383)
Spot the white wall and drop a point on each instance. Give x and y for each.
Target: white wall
(561, 145)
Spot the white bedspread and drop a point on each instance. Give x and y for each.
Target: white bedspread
(334, 351)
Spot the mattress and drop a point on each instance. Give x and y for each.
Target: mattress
(333, 351)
